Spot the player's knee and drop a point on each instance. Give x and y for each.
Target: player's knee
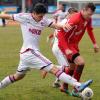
(54, 69)
(81, 63)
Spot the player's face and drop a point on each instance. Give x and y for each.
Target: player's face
(87, 13)
(61, 7)
(38, 17)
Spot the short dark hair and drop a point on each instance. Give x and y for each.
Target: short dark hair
(91, 6)
(39, 8)
(72, 9)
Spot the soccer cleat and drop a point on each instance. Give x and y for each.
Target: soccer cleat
(83, 86)
(76, 94)
(56, 85)
(66, 91)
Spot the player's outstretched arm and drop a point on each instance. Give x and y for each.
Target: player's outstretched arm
(60, 26)
(6, 16)
(56, 26)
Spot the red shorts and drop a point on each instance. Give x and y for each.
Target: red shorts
(75, 52)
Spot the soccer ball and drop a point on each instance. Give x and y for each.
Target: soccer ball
(87, 94)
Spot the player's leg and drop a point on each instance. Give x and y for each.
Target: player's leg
(79, 61)
(43, 73)
(20, 73)
(68, 79)
(69, 71)
(61, 59)
(11, 79)
(4, 22)
(38, 61)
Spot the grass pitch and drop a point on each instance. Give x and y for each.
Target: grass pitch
(33, 87)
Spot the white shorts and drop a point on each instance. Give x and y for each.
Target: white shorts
(62, 60)
(33, 59)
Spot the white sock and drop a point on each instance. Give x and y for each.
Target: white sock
(68, 79)
(5, 82)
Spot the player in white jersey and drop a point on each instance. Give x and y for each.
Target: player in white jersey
(30, 56)
(58, 15)
(55, 49)
(59, 12)
(61, 59)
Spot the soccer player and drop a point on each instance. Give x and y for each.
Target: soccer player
(59, 12)
(30, 56)
(3, 20)
(58, 15)
(52, 38)
(54, 43)
(69, 38)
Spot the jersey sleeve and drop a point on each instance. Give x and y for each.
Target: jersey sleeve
(90, 31)
(72, 21)
(20, 17)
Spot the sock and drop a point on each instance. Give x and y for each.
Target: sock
(78, 71)
(67, 79)
(6, 81)
(69, 72)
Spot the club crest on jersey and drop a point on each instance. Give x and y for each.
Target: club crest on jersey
(42, 24)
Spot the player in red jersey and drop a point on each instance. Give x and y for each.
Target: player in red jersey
(70, 37)
(54, 44)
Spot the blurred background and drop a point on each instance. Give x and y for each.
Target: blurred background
(17, 6)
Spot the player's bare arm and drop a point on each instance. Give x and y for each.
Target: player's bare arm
(59, 26)
(67, 26)
(6, 16)
(56, 26)
(92, 37)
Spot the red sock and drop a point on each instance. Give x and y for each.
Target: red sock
(68, 71)
(78, 71)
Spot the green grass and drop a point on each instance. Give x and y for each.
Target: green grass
(33, 87)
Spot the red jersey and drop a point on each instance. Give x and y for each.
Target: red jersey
(74, 35)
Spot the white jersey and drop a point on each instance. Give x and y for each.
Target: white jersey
(31, 30)
(60, 15)
(61, 20)
(62, 60)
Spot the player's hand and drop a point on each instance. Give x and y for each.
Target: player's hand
(67, 27)
(96, 48)
(44, 73)
(68, 52)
